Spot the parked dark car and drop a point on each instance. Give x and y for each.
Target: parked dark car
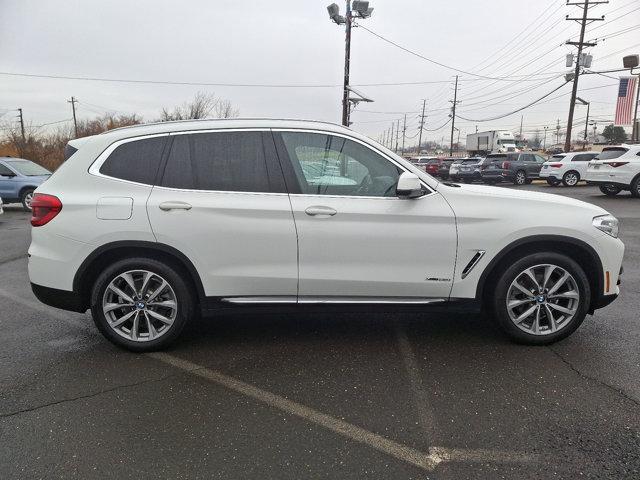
(466, 170)
(443, 167)
(519, 168)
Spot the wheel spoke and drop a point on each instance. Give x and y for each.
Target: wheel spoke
(135, 326)
(569, 294)
(120, 293)
(522, 289)
(165, 303)
(526, 314)
(536, 322)
(145, 282)
(123, 319)
(157, 291)
(559, 283)
(162, 318)
(129, 279)
(515, 303)
(552, 320)
(559, 308)
(548, 270)
(152, 331)
(113, 306)
(533, 278)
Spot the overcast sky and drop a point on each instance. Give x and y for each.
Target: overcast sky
(294, 42)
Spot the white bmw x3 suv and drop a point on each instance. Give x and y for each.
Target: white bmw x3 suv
(149, 226)
(616, 169)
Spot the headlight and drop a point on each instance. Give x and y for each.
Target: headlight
(607, 223)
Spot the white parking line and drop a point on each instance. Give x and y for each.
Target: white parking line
(426, 461)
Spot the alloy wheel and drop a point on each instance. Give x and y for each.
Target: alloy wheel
(139, 305)
(571, 179)
(28, 198)
(543, 299)
(521, 178)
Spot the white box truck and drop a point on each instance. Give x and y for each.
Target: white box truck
(493, 141)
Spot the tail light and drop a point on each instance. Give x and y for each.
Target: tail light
(616, 164)
(44, 208)
(506, 165)
(555, 165)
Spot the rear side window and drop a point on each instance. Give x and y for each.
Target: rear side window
(583, 157)
(224, 161)
(135, 161)
(611, 153)
(6, 171)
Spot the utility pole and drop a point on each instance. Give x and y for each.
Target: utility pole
(558, 132)
(579, 60)
(424, 104)
(397, 134)
(544, 142)
(21, 124)
(73, 109)
(391, 138)
(453, 116)
(521, 120)
(347, 60)
(404, 132)
(586, 127)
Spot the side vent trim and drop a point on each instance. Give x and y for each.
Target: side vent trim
(474, 261)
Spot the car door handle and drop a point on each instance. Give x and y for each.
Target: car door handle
(166, 206)
(320, 211)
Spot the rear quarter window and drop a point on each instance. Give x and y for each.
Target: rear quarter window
(611, 153)
(136, 161)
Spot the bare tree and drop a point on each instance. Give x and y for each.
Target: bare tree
(203, 105)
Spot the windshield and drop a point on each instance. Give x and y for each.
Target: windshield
(611, 153)
(28, 168)
(471, 161)
(506, 141)
(433, 162)
(557, 157)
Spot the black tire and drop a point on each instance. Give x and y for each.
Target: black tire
(529, 181)
(181, 287)
(498, 303)
(635, 187)
(25, 199)
(520, 177)
(553, 182)
(571, 178)
(610, 189)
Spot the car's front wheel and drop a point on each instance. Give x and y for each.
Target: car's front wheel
(610, 190)
(141, 304)
(541, 298)
(635, 187)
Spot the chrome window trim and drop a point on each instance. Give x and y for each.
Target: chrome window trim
(430, 190)
(94, 168)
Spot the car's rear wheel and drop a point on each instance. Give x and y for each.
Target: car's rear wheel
(571, 179)
(26, 198)
(141, 304)
(553, 182)
(541, 298)
(520, 178)
(610, 189)
(635, 187)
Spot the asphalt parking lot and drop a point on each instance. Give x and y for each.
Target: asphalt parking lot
(368, 395)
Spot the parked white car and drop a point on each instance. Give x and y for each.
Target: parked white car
(568, 168)
(148, 225)
(616, 169)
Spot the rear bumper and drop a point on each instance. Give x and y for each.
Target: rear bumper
(62, 299)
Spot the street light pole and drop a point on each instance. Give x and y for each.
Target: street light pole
(586, 127)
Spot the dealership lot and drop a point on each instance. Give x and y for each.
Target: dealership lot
(376, 395)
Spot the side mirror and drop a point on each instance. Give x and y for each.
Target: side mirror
(409, 186)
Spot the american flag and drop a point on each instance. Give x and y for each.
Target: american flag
(626, 95)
